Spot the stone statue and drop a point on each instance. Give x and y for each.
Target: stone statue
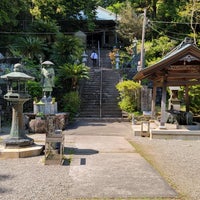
(48, 76)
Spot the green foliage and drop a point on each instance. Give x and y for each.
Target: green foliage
(128, 91)
(44, 26)
(47, 30)
(74, 72)
(194, 98)
(191, 12)
(116, 7)
(10, 11)
(157, 48)
(66, 49)
(194, 94)
(71, 103)
(30, 47)
(130, 24)
(62, 9)
(127, 104)
(32, 68)
(34, 89)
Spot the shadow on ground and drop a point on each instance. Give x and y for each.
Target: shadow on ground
(76, 151)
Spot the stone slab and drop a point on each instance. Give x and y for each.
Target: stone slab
(115, 175)
(101, 144)
(22, 152)
(175, 134)
(109, 167)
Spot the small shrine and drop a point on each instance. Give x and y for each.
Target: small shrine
(180, 67)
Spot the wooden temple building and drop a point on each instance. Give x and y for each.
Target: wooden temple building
(180, 67)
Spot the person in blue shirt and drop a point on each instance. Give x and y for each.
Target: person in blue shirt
(94, 57)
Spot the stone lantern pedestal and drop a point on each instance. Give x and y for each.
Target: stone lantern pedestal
(17, 136)
(18, 144)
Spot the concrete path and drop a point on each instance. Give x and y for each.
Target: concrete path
(106, 165)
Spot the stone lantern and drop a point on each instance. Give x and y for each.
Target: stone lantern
(117, 59)
(174, 102)
(17, 95)
(84, 58)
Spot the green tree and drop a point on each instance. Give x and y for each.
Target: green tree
(10, 13)
(116, 7)
(157, 48)
(56, 10)
(130, 24)
(191, 13)
(108, 3)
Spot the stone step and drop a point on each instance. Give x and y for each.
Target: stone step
(91, 93)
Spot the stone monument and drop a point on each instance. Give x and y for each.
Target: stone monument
(48, 76)
(47, 106)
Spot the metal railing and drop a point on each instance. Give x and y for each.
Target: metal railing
(101, 81)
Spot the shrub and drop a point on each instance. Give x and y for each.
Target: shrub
(34, 89)
(128, 91)
(71, 103)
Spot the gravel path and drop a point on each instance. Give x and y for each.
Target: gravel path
(178, 161)
(25, 179)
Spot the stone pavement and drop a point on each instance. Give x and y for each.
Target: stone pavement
(105, 165)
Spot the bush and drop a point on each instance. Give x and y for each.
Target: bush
(34, 89)
(128, 91)
(71, 103)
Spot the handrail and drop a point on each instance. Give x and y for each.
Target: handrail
(101, 88)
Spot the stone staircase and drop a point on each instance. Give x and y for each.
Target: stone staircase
(110, 95)
(90, 95)
(99, 97)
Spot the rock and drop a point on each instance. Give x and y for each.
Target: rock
(38, 126)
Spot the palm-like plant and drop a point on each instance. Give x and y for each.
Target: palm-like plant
(66, 49)
(29, 47)
(74, 72)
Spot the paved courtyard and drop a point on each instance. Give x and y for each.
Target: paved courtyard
(104, 165)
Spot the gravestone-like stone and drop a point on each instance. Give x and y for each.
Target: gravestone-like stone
(146, 98)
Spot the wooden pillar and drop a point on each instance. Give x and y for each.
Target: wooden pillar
(104, 37)
(153, 103)
(187, 102)
(163, 106)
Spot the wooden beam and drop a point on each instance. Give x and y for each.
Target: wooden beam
(177, 83)
(184, 67)
(187, 75)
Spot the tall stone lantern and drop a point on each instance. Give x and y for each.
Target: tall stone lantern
(17, 95)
